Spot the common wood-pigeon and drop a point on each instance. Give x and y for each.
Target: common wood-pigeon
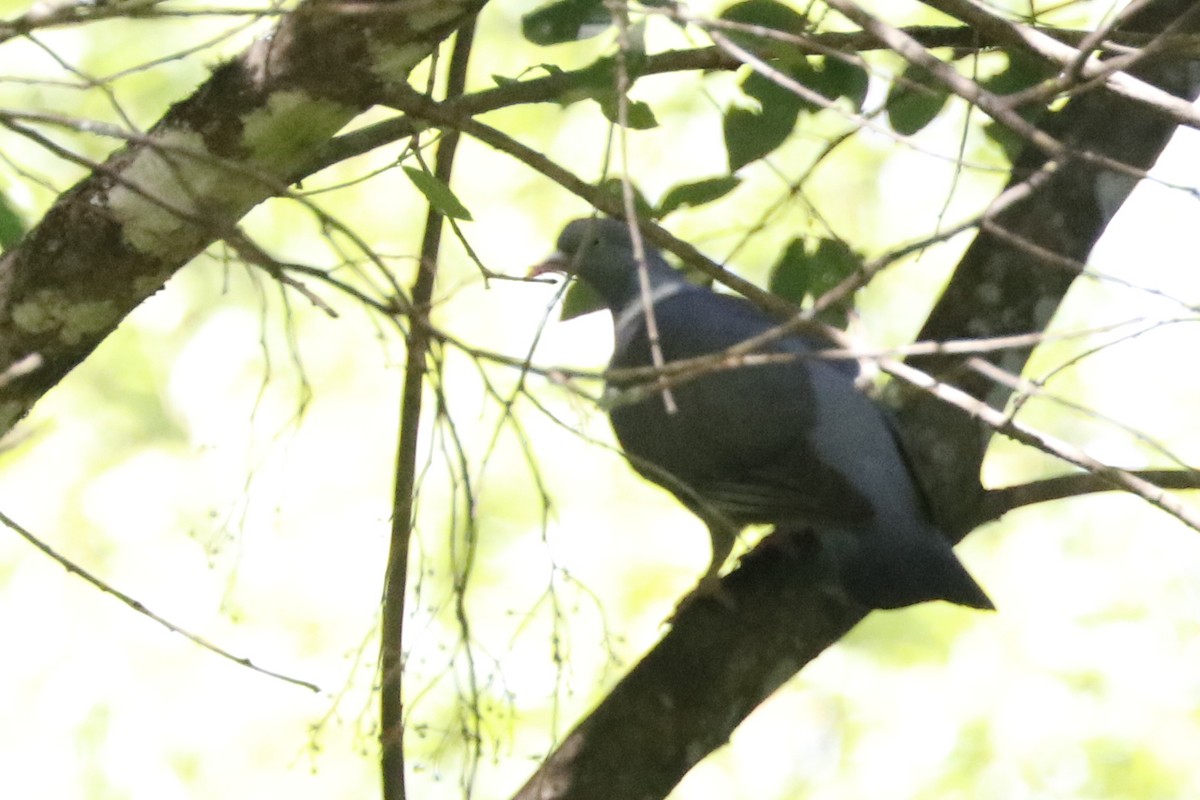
(790, 443)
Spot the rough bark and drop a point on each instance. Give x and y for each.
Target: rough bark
(1016, 272)
(114, 238)
(717, 663)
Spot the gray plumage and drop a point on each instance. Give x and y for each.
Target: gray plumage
(792, 444)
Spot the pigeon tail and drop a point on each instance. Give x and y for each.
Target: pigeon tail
(910, 570)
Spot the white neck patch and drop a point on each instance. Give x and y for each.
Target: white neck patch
(627, 318)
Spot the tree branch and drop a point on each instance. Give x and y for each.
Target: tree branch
(391, 653)
(1001, 289)
(107, 588)
(716, 664)
(560, 85)
(1076, 65)
(115, 237)
(995, 503)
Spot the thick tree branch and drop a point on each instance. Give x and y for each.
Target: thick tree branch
(558, 86)
(683, 700)
(115, 237)
(1000, 289)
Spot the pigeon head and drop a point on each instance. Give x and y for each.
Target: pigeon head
(600, 253)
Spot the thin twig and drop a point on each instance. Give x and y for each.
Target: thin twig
(1080, 68)
(252, 253)
(629, 205)
(136, 605)
(914, 53)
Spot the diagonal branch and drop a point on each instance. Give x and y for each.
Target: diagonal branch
(113, 239)
(998, 502)
(1077, 64)
(1001, 288)
(107, 588)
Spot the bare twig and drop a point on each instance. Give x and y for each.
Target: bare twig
(914, 53)
(1078, 65)
(629, 206)
(75, 569)
(251, 253)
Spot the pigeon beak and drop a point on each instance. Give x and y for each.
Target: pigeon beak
(555, 262)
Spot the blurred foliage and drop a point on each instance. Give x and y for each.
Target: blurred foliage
(566, 21)
(226, 456)
(12, 227)
(915, 100)
(805, 273)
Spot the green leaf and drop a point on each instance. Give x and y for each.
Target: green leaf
(614, 189)
(914, 101)
(439, 195)
(696, 193)
(12, 226)
(841, 79)
(548, 69)
(566, 21)
(790, 275)
(829, 78)
(640, 116)
(750, 135)
(579, 299)
(1021, 73)
(764, 14)
(596, 82)
(775, 98)
(802, 274)
(1009, 142)
(593, 81)
(831, 263)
